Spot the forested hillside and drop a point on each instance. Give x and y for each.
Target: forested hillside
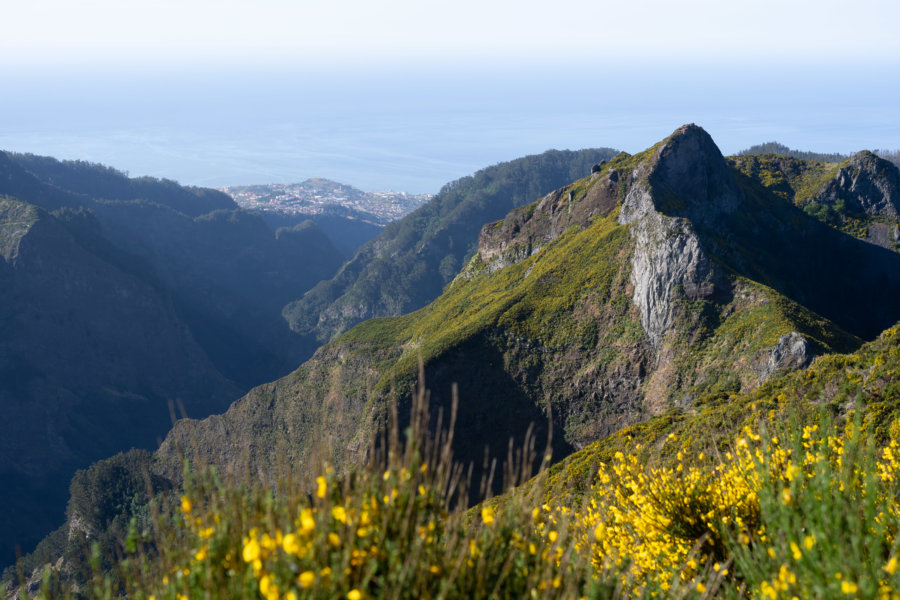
(125, 301)
(408, 264)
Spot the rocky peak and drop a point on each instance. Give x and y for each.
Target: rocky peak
(686, 181)
(691, 177)
(867, 184)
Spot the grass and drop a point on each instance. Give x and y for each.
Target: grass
(795, 505)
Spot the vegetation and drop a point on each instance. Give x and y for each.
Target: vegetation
(891, 155)
(801, 499)
(791, 179)
(782, 150)
(409, 263)
(709, 462)
(118, 298)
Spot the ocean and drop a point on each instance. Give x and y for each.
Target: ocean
(414, 129)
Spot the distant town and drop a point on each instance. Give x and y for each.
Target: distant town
(322, 196)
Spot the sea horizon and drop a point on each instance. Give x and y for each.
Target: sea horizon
(416, 128)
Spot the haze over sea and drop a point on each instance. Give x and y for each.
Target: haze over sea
(417, 127)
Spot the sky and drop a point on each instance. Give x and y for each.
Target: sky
(327, 31)
(408, 95)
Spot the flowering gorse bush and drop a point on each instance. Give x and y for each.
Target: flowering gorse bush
(803, 515)
(789, 512)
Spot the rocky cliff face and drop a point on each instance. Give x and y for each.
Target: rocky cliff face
(867, 185)
(689, 172)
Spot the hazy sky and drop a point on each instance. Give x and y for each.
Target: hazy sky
(411, 94)
(311, 31)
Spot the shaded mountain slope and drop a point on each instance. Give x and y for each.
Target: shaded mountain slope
(91, 355)
(657, 283)
(113, 308)
(347, 234)
(408, 264)
(101, 182)
(864, 384)
(229, 275)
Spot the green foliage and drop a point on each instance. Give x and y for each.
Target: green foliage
(401, 270)
(794, 180)
(782, 150)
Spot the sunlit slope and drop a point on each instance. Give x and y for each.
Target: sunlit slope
(604, 303)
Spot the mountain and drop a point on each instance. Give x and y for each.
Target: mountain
(120, 298)
(345, 233)
(409, 263)
(662, 281)
(664, 287)
(229, 275)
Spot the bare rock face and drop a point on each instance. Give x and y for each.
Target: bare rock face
(688, 175)
(868, 184)
(667, 260)
(792, 351)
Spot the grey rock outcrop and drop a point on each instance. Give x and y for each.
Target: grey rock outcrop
(792, 351)
(867, 184)
(690, 174)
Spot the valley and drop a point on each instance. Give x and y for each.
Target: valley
(591, 302)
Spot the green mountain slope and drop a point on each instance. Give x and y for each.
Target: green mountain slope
(866, 382)
(408, 264)
(782, 150)
(658, 282)
(663, 284)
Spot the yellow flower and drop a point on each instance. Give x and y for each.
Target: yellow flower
(487, 515)
(323, 486)
(306, 579)
(795, 550)
(354, 595)
(186, 505)
(251, 550)
(334, 540)
(700, 587)
(291, 544)
(848, 587)
(307, 522)
(339, 514)
(206, 532)
(268, 588)
(200, 554)
(891, 566)
(809, 541)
